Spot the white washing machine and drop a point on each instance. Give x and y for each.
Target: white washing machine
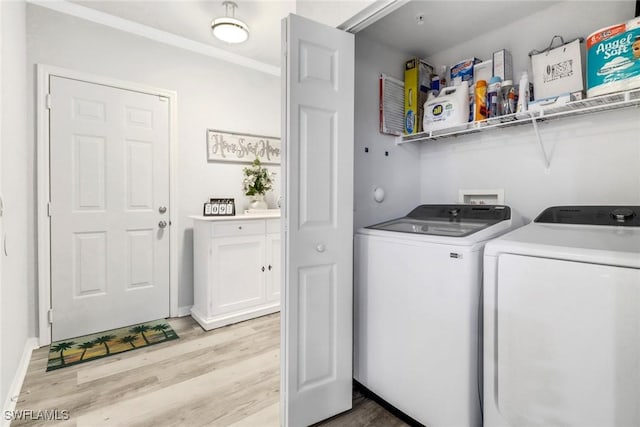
(417, 290)
(562, 320)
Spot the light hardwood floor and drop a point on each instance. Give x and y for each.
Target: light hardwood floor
(225, 377)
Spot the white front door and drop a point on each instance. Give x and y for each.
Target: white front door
(109, 178)
(317, 320)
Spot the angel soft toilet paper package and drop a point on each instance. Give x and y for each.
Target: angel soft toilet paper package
(613, 59)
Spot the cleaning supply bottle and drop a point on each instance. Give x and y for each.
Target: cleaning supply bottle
(449, 108)
(523, 93)
(494, 104)
(481, 100)
(443, 76)
(508, 98)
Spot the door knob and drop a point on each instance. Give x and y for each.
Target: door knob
(320, 247)
(162, 209)
(162, 224)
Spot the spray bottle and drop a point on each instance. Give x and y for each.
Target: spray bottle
(523, 93)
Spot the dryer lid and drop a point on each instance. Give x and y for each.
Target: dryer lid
(625, 216)
(608, 235)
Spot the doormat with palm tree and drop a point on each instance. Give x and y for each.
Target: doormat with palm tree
(95, 346)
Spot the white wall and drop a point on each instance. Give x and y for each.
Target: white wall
(211, 94)
(399, 172)
(596, 158)
(17, 278)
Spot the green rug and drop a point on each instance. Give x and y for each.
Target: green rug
(78, 350)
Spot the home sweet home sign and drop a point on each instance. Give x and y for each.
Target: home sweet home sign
(237, 147)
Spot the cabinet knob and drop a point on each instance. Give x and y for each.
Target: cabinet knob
(239, 227)
(263, 268)
(270, 268)
(162, 224)
(320, 247)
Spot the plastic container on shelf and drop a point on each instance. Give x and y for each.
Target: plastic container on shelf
(508, 97)
(480, 100)
(494, 103)
(523, 93)
(450, 108)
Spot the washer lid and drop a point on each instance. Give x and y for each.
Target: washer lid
(626, 216)
(447, 220)
(487, 214)
(435, 228)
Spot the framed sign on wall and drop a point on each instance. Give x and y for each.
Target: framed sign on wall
(244, 148)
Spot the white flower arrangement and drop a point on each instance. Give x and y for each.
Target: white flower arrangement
(257, 179)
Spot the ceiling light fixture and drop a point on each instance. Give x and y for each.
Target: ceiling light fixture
(229, 29)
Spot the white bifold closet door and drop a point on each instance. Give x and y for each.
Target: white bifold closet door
(317, 318)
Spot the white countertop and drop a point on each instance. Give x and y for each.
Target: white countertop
(240, 217)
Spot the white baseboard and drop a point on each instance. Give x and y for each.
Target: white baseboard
(184, 311)
(16, 385)
(218, 321)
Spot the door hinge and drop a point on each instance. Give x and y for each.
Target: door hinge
(50, 316)
(49, 209)
(47, 101)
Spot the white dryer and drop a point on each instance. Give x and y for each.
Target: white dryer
(562, 320)
(417, 293)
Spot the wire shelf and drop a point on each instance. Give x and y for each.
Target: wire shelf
(609, 102)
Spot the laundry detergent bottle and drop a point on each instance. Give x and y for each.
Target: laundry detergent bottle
(449, 108)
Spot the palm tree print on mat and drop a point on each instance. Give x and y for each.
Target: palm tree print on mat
(129, 339)
(66, 353)
(61, 347)
(86, 346)
(104, 340)
(162, 327)
(141, 329)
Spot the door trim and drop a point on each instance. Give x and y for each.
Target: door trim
(370, 15)
(44, 72)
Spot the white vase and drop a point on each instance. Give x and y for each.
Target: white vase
(257, 202)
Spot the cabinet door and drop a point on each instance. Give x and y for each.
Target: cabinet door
(274, 267)
(237, 267)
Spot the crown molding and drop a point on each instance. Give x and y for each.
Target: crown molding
(154, 34)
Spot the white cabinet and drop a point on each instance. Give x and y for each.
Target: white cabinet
(236, 269)
(273, 266)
